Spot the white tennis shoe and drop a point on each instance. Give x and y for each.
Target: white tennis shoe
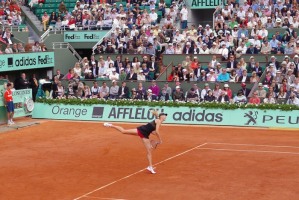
(107, 124)
(151, 169)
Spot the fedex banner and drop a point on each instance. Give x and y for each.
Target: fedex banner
(183, 115)
(84, 36)
(21, 61)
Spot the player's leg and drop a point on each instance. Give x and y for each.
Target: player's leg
(122, 130)
(149, 149)
(8, 118)
(12, 112)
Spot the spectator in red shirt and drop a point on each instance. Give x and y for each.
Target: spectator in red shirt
(255, 99)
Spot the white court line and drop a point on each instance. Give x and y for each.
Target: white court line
(103, 198)
(250, 151)
(130, 175)
(255, 145)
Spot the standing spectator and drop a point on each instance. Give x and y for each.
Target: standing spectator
(21, 82)
(8, 102)
(34, 86)
(184, 17)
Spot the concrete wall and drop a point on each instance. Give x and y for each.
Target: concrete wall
(64, 59)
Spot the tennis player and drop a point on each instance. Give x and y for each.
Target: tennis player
(143, 132)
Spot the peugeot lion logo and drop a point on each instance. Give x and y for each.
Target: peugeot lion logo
(252, 116)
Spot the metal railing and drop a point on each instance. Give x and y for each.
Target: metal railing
(101, 40)
(44, 35)
(66, 45)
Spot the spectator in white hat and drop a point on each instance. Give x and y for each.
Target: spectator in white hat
(169, 49)
(214, 49)
(204, 49)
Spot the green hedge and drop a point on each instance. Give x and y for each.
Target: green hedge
(211, 105)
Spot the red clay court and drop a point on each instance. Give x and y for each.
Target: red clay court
(60, 160)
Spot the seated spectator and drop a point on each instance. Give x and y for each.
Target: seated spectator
(244, 78)
(8, 49)
(217, 91)
(150, 96)
(192, 96)
(87, 92)
(266, 48)
(240, 98)
(132, 76)
(52, 19)
(45, 20)
(114, 90)
(114, 75)
(292, 90)
(123, 91)
(209, 96)
(223, 98)
(293, 100)
(36, 47)
(224, 76)
(251, 49)
(228, 91)
(269, 99)
(281, 94)
(178, 95)
(141, 76)
(104, 91)
(164, 96)
(255, 99)
(134, 94)
(15, 48)
(254, 78)
(95, 90)
(62, 8)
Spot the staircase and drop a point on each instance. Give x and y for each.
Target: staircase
(33, 18)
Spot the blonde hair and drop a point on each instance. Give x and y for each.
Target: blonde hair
(155, 113)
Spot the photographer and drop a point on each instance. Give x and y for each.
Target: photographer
(293, 100)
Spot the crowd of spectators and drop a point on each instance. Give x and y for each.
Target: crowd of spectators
(279, 83)
(10, 13)
(93, 15)
(114, 89)
(12, 47)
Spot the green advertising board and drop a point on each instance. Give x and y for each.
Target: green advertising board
(19, 99)
(21, 61)
(84, 36)
(183, 115)
(204, 4)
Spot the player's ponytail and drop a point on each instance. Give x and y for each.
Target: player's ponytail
(155, 113)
